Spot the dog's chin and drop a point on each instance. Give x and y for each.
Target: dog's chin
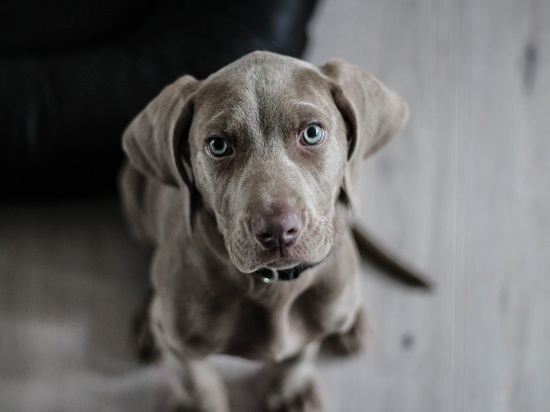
(282, 264)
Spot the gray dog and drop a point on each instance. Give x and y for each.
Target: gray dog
(244, 184)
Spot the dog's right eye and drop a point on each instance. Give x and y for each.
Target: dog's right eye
(218, 147)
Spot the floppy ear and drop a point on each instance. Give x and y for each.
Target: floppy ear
(156, 141)
(373, 115)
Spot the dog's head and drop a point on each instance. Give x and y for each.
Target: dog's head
(270, 144)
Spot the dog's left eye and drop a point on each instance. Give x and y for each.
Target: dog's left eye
(312, 135)
(218, 147)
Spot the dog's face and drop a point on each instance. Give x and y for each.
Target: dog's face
(268, 148)
(270, 144)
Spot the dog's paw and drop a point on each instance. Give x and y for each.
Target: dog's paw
(181, 408)
(305, 399)
(145, 347)
(141, 337)
(176, 406)
(351, 342)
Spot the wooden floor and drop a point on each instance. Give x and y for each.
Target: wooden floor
(462, 194)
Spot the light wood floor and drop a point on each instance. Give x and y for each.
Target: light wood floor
(462, 194)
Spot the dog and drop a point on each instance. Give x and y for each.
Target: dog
(244, 184)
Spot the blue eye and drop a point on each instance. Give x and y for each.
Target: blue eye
(312, 135)
(218, 147)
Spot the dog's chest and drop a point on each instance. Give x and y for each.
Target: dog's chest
(266, 330)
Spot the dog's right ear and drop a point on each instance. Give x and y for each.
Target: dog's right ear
(156, 141)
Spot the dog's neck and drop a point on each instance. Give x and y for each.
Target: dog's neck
(271, 275)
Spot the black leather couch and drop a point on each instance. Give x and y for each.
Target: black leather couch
(74, 73)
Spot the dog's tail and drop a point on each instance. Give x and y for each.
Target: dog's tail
(373, 253)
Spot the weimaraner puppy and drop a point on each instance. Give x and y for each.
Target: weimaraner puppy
(244, 183)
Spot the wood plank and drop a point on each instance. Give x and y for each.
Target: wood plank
(409, 200)
(478, 80)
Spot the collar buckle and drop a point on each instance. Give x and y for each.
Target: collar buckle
(269, 275)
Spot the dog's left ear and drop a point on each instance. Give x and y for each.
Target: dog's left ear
(156, 141)
(373, 114)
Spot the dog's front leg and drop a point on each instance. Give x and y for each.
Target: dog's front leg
(196, 386)
(350, 342)
(291, 385)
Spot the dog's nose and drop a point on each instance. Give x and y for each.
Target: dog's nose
(279, 228)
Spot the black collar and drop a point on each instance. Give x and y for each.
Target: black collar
(271, 275)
